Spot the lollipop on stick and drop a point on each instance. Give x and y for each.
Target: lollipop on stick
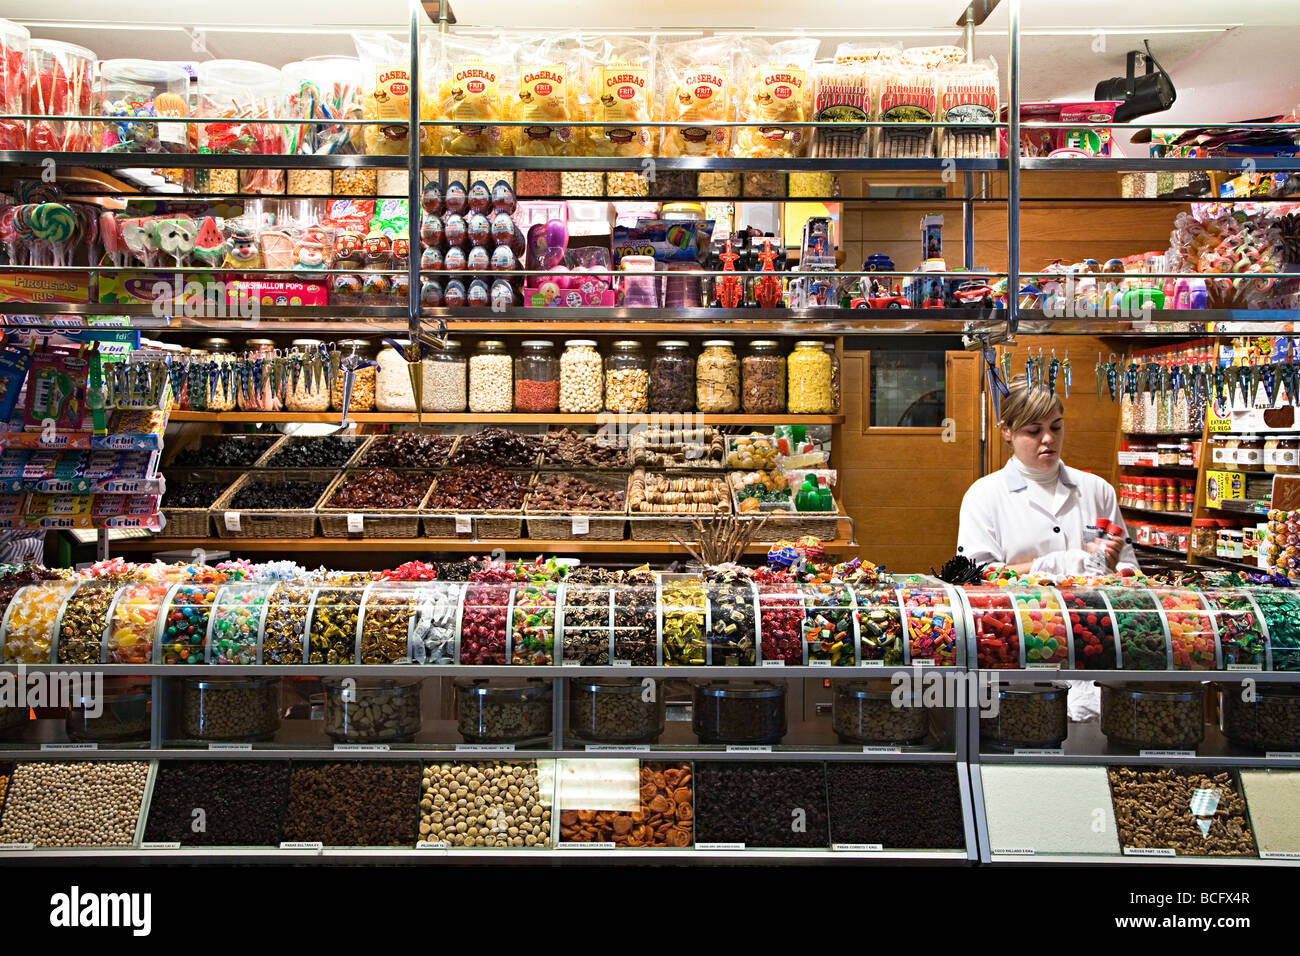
(110, 234)
(209, 245)
(135, 236)
(174, 237)
(55, 224)
(9, 235)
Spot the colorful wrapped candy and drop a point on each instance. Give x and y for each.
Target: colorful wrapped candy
(236, 628)
(880, 625)
(15, 44)
(533, 624)
(138, 95)
(783, 554)
(30, 621)
(781, 621)
(930, 625)
(135, 621)
(184, 637)
(1281, 610)
(683, 604)
(828, 624)
(1191, 631)
(1241, 629)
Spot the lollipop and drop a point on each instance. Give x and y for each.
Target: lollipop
(87, 228)
(25, 236)
(110, 234)
(174, 237)
(9, 234)
(209, 244)
(135, 234)
(55, 224)
(36, 191)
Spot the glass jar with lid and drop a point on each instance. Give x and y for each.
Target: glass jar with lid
(504, 711)
(1026, 716)
(877, 712)
(717, 378)
(829, 349)
(1250, 453)
(393, 389)
(739, 712)
(809, 379)
(308, 388)
(672, 377)
(490, 378)
(222, 386)
(537, 377)
(582, 385)
(255, 393)
(121, 713)
(627, 378)
(762, 378)
(359, 356)
(445, 379)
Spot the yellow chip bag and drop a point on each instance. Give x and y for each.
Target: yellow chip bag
(698, 79)
(776, 88)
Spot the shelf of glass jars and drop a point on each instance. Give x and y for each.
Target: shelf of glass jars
(1087, 745)
(406, 546)
(1177, 469)
(1185, 515)
(501, 418)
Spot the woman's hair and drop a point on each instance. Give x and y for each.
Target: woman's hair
(1026, 405)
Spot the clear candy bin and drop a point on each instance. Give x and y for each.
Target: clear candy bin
(615, 710)
(372, 711)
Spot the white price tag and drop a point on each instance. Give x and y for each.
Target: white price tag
(871, 663)
(1039, 752)
(1148, 851)
(472, 748)
(370, 748)
(572, 664)
(1279, 855)
(1282, 754)
(464, 524)
(618, 748)
(923, 662)
(1043, 666)
(232, 521)
(618, 663)
(774, 663)
(581, 525)
(230, 746)
(301, 845)
(882, 750)
(9, 847)
(749, 748)
(69, 746)
(585, 846)
(427, 845)
(1167, 753)
(819, 663)
(164, 845)
(857, 847)
(1015, 851)
(356, 524)
(1246, 667)
(719, 846)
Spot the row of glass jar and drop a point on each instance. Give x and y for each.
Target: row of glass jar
(765, 381)
(1162, 412)
(1146, 716)
(1274, 455)
(680, 620)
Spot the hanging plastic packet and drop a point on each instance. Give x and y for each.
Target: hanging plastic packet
(476, 80)
(548, 97)
(775, 87)
(905, 94)
(621, 93)
(386, 94)
(842, 95)
(14, 362)
(56, 390)
(698, 80)
(968, 94)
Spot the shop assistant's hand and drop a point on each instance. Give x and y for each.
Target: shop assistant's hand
(1108, 547)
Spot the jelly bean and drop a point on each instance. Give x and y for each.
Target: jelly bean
(1142, 638)
(997, 643)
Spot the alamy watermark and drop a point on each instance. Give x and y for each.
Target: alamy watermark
(80, 689)
(940, 687)
(210, 299)
(1073, 300)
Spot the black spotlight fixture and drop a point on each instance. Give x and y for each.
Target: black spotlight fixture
(1152, 92)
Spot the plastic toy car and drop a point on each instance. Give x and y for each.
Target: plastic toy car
(977, 294)
(879, 302)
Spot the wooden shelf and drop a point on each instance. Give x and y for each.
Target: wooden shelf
(508, 418)
(1185, 515)
(524, 546)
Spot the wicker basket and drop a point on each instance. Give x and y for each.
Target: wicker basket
(601, 525)
(509, 525)
(788, 525)
(173, 451)
(266, 460)
(195, 522)
(664, 527)
(271, 523)
(394, 523)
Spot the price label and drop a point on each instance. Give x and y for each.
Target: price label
(7, 847)
(581, 525)
(483, 748)
(881, 750)
(1039, 752)
(1043, 666)
(819, 663)
(371, 748)
(164, 845)
(69, 746)
(1279, 855)
(301, 845)
(749, 748)
(1167, 753)
(923, 662)
(585, 846)
(427, 845)
(618, 663)
(356, 524)
(774, 663)
(1015, 851)
(618, 748)
(1245, 667)
(232, 521)
(572, 664)
(871, 663)
(719, 846)
(858, 847)
(1148, 851)
(230, 746)
(464, 524)
(1282, 754)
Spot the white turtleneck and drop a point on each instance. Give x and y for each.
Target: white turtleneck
(1041, 482)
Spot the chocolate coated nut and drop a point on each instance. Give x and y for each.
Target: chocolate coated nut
(360, 804)
(241, 800)
(560, 492)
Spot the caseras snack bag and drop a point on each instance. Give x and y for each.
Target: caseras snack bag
(475, 86)
(775, 87)
(698, 79)
(621, 92)
(386, 95)
(547, 97)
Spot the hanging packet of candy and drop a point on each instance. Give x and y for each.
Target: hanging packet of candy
(14, 362)
(56, 391)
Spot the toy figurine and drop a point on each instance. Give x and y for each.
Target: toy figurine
(767, 290)
(730, 290)
(242, 251)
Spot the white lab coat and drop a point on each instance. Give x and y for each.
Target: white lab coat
(1002, 524)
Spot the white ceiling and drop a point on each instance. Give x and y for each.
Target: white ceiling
(1203, 43)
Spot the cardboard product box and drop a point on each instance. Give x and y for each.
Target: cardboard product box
(1222, 486)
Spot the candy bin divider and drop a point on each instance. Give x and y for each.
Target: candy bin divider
(1010, 592)
(108, 622)
(1164, 622)
(1069, 629)
(306, 625)
(959, 658)
(58, 626)
(557, 727)
(1263, 629)
(1114, 629)
(613, 619)
(361, 620)
(510, 625)
(906, 619)
(462, 588)
(758, 625)
(708, 623)
(659, 621)
(146, 801)
(160, 626)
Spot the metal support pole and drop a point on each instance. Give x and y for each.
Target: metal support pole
(968, 221)
(969, 28)
(1013, 170)
(413, 179)
(101, 545)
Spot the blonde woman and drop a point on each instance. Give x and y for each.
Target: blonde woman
(1038, 514)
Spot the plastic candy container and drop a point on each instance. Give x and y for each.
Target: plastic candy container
(828, 624)
(31, 620)
(1092, 628)
(930, 625)
(1042, 623)
(781, 622)
(322, 88)
(287, 612)
(1281, 610)
(683, 605)
(184, 635)
(59, 84)
(244, 92)
(997, 641)
(136, 94)
(483, 623)
(1241, 628)
(532, 624)
(135, 622)
(880, 625)
(332, 633)
(1191, 631)
(1143, 640)
(83, 620)
(15, 45)
(636, 637)
(234, 634)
